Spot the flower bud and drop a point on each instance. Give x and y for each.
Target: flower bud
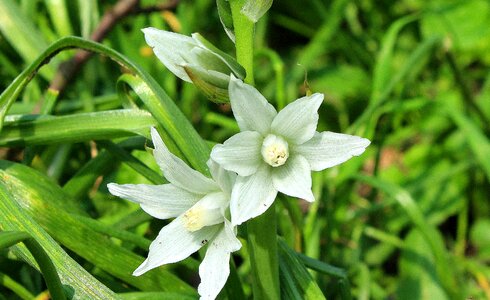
(254, 9)
(194, 59)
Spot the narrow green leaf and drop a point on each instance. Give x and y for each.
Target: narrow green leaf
(384, 63)
(58, 13)
(22, 34)
(43, 203)
(164, 110)
(155, 296)
(15, 287)
(323, 37)
(478, 142)
(195, 151)
(224, 12)
(410, 68)
(132, 162)
(417, 271)
(44, 130)
(263, 252)
(89, 16)
(444, 269)
(322, 267)
(73, 276)
(9, 238)
(296, 282)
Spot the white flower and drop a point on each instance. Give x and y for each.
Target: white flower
(198, 205)
(194, 59)
(277, 151)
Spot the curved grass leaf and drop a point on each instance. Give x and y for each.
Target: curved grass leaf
(410, 68)
(22, 34)
(45, 130)
(383, 69)
(9, 238)
(72, 275)
(44, 203)
(478, 142)
(433, 237)
(296, 282)
(160, 105)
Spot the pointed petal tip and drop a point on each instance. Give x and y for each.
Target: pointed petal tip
(310, 198)
(318, 96)
(143, 268)
(114, 189)
(365, 142)
(154, 131)
(362, 145)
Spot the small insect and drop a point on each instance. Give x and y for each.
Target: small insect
(203, 242)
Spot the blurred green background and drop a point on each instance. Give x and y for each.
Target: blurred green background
(409, 219)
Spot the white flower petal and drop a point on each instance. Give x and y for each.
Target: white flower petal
(294, 178)
(298, 120)
(174, 243)
(208, 211)
(169, 47)
(225, 179)
(215, 267)
(250, 108)
(252, 195)
(178, 172)
(328, 149)
(240, 153)
(160, 201)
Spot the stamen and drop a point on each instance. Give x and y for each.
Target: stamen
(275, 150)
(206, 212)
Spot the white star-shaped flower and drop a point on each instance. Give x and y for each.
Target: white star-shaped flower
(277, 151)
(199, 205)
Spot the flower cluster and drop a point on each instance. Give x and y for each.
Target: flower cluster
(273, 152)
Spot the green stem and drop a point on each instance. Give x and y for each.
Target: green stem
(261, 231)
(244, 39)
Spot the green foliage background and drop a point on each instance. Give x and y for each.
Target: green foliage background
(408, 219)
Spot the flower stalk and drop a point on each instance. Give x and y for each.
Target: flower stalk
(261, 231)
(244, 38)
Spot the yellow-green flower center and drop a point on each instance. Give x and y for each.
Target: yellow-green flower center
(275, 150)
